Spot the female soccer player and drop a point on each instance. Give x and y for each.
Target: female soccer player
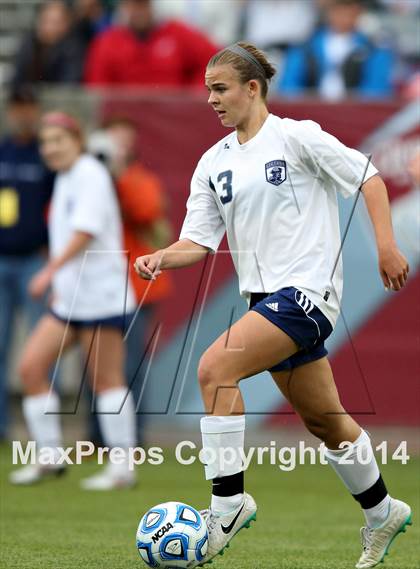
(272, 186)
(88, 274)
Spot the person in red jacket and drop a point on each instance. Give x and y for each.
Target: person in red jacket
(142, 51)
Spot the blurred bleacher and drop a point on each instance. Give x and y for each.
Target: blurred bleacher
(384, 21)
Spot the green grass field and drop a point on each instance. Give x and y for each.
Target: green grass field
(306, 519)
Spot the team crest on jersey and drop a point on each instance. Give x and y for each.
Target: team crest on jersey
(275, 172)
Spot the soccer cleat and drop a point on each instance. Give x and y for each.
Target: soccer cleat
(221, 528)
(110, 478)
(376, 541)
(34, 473)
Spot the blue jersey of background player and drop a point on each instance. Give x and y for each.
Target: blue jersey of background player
(272, 185)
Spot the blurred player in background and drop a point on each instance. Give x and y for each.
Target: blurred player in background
(25, 191)
(272, 186)
(87, 271)
(145, 228)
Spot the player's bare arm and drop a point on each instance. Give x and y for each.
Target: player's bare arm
(182, 253)
(393, 266)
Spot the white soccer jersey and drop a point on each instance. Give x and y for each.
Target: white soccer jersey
(276, 197)
(92, 285)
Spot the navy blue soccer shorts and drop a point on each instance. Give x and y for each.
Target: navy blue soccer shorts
(291, 311)
(120, 322)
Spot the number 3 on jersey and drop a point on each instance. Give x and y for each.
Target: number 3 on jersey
(226, 197)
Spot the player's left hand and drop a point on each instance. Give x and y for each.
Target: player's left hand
(40, 282)
(393, 267)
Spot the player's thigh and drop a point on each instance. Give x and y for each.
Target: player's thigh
(310, 389)
(49, 339)
(251, 345)
(103, 348)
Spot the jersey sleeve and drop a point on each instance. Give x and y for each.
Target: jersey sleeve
(346, 167)
(203, 223)
(89, 211)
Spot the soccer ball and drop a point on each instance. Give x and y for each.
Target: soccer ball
(172, 535)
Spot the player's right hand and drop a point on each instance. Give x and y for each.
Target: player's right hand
(393, 267)
(147, 266)
(40, 282)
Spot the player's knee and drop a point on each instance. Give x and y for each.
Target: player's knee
(207, 372)
(318, 426)
(31, 372)
(328, 428)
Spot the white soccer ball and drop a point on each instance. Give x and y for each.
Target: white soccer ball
(172, 535)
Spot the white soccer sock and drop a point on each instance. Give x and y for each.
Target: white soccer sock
(359, 477)
(222, 439)
(43, 421)
(377, 515)
(226, 504)
(116, 416)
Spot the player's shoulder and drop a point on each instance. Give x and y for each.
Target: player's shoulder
(89, 167)
(297, 128)
(89, 164)
(297, 134)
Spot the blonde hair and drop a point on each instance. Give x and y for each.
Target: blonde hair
(249, 61)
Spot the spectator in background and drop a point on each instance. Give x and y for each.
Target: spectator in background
(52, 53)
(339, 60)
(91, 18)
(142, 51)
(145, 228)
(25, 190)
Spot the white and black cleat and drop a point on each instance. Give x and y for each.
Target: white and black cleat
(222, 528)
(377, 541)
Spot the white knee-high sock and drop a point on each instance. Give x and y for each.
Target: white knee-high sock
(43, 421)
(364, 481)
(223, 437)
(116, 416)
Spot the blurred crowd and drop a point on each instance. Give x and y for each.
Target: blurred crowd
(331, 48)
